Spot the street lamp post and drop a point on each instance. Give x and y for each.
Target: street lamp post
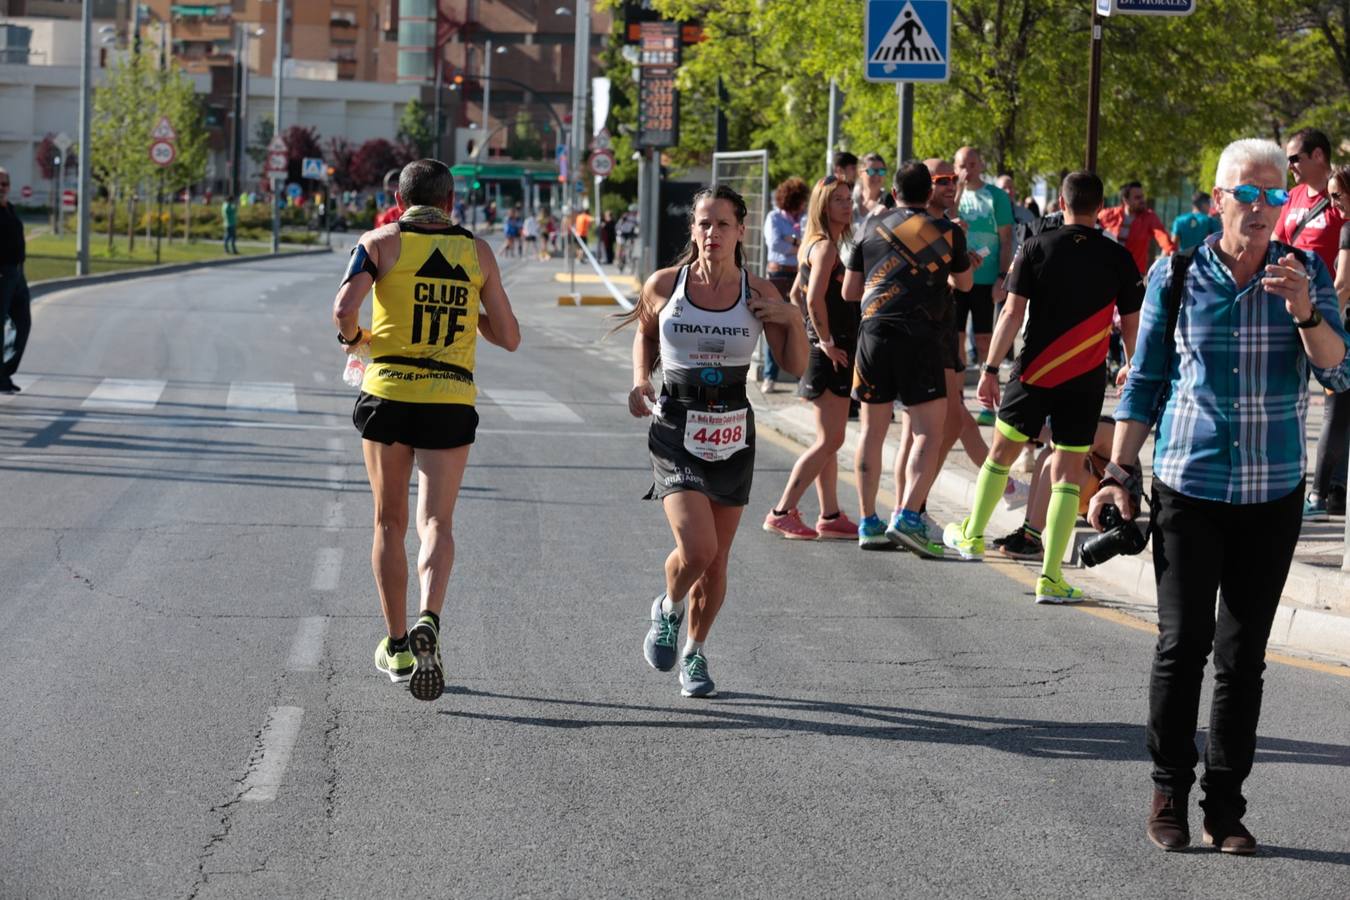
(580, 71)
(86, 117)
(276, 122)
(240, 142)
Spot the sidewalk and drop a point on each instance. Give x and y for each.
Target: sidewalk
(1314, 614)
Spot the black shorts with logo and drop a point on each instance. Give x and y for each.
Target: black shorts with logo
(423, 426)
(899, 359)
(1073, 414)
(675, 469)
(821, 376)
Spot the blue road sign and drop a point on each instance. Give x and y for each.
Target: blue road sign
(313, 167)
(1146, 7)
(907, 40)
(294, 190)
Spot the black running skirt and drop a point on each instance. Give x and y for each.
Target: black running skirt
(675, 468)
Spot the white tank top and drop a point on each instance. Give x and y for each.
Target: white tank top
(695, 341)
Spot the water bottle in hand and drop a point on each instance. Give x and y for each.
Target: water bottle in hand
(355, 372)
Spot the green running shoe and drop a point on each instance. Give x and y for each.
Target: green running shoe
(398, 666)
(985, 418)
(954, 536)
(1056, 590)
(914, 538)
(427, 681)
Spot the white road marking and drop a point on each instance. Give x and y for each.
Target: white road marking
(125, 393)
(336, 477)
(320, 378)
(272, 755)
(304, 351)
(336, 517)
(327, 569)
(263, 396)
(531, 406)
(307, 648)
(337, 445)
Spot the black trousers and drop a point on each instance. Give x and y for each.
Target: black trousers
(16, 310)
(1241, 553)
(1333, 445)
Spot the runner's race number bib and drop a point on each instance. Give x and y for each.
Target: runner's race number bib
(715, 436)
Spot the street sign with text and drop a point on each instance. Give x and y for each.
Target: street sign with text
(1146, 7)
(907, 40)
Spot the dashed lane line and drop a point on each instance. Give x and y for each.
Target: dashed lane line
(327, 569)
(307, 648)
(272, 754)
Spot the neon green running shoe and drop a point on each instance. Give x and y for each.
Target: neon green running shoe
(398, 666)
(985, 418)
(954, 536)
(1056, 590)
(428, 677)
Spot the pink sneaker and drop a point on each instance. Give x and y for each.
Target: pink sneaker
(841, 528)
(791, 526)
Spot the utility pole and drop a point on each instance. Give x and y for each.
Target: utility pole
(487, 89)
(237, 145)
(276, 123)
(832, 138)
(580, 83)
(1094, 93)
(86, 114)
(904, 136)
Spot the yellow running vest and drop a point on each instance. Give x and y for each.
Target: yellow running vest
(425, 323)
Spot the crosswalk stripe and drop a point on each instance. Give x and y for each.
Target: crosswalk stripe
(125, 394)
(267, 396)
(532, 406)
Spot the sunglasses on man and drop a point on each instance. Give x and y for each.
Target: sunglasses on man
(945, 179)
(1247, 193)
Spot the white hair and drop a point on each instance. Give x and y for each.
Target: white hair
(1249, 152)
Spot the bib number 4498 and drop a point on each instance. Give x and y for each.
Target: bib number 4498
(715, 436)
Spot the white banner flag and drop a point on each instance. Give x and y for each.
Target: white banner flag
(599, 103)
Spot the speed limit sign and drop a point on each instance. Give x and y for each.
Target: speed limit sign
(602, 162)
(162, 153)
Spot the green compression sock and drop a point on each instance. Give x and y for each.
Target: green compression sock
(1059, 522)
(988, 491)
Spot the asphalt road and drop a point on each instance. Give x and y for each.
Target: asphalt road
(190, 710)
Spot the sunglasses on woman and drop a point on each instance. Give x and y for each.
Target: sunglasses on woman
(875, 171)
(1247, 193)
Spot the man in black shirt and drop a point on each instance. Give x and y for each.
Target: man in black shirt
(14, 299)
(1075, 279)
(901, 270)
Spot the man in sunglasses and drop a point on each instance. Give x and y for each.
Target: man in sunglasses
(1223, 359)
(14, 299)
(1310, 220)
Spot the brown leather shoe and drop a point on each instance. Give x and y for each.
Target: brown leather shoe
(1228, 835)
(1168, 828)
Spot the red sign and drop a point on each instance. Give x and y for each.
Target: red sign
(26, 192)
(68, 198)
(163, 153)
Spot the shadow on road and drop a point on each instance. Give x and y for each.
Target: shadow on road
(1111, 741)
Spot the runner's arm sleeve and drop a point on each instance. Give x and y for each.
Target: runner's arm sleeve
(359, 262)
(1150, 369)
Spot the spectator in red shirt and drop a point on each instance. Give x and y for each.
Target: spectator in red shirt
(1135, 226)
(389, 216)
(1310, 159)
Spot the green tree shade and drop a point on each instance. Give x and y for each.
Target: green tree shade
(1173, 87)
(415, 130)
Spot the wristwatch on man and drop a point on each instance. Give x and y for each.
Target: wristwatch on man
(355, 339)
(1312, 321)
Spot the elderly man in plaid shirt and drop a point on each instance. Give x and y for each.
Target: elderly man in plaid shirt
(1228, 393)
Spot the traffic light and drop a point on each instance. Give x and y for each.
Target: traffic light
(477, 184)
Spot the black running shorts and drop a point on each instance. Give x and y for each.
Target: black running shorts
(1073, 414)
(978, 304)
(424, 426)
(899, 360)
(675, 469)
(821, 376)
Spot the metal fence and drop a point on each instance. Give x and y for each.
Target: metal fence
(747, 173)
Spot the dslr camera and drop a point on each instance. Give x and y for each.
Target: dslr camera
(1118, 536)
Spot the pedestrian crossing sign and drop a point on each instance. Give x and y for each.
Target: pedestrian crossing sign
(907, 40)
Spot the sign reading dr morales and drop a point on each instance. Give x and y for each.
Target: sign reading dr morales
(1146, 7)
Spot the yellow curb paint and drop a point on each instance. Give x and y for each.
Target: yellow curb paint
(1024, 575)
(591, 278)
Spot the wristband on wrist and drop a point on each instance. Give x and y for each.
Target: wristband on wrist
(991, 370)
(347, 343)
(825, 342)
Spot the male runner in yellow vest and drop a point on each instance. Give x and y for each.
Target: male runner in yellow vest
(417, 399)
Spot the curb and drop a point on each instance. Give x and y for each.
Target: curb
(52, 285)
(1299, 626)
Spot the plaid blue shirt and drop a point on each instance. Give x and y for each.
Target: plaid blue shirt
(1234, 394)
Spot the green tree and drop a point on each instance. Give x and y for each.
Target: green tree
(415, 129)
(120, 134)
